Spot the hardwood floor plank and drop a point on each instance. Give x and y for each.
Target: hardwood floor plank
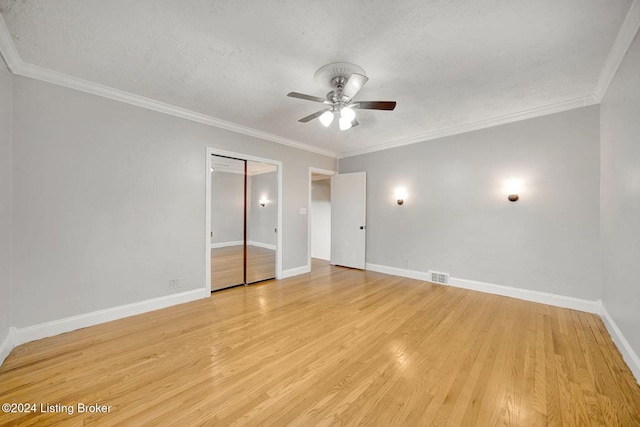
(553, 387)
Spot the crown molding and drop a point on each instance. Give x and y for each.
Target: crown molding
(7, 47)
(20, 68)
(482, 124)
(60, 79)
(625, 37)
(619, 49)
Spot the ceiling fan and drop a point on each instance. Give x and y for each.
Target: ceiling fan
(345, 80)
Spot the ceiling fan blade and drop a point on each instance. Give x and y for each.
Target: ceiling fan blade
(375, 105)
(353, 85)
(313, 116)
(306, 97)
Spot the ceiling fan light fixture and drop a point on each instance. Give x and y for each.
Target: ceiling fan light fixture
(345, 80)
(344, 124)
(347, 114)
(326, 118)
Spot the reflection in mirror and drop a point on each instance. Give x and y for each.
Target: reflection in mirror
(262, 214)
(227, 222)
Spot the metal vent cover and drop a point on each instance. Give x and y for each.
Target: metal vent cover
(438, 277)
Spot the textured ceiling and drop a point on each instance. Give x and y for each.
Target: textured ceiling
(447, 63)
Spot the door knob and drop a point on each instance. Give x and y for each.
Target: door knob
(362, 227)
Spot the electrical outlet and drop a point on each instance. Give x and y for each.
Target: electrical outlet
(176, 283)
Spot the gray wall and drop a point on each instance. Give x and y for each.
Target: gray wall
(110, 201)
(262, 220)
(321, 219)
(457, 218)
(5, 200)
(620, 190)
(227, 207)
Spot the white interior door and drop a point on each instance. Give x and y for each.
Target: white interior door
(348, 216)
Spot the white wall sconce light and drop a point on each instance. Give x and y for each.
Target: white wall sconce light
(513, 188)
(400, 195)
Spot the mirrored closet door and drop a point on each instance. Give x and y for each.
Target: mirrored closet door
(262, 220)
(243, 221)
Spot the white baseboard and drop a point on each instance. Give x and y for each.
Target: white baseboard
(395, 271)
(490, 288)
(8, 343)
(296, 271)
(226, 244)
(563, 301)
(261, 245)
(629, 356)
(48, 329)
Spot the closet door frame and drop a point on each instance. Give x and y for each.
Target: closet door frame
(240, 156)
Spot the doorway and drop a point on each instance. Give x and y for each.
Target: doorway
(243, 219)
(319, 217)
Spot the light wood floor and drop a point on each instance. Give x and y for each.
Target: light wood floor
(227, 265)
(336, 346)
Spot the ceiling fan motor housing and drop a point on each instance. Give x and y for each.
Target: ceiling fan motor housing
(335, 96)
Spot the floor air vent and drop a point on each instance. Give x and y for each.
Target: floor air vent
(437, 277)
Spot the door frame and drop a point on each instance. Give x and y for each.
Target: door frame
(313, 170)
(215, 151)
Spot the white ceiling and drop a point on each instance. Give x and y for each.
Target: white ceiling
(449, 64)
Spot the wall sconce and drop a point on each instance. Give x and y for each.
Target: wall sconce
(263, 202)
(401, 194)
(513, 188)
